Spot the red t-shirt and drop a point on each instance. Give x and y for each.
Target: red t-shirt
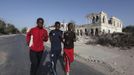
(39, 36)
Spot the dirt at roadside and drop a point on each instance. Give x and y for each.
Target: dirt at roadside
(3, 57)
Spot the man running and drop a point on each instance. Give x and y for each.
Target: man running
(56, 39)
(69, 39)
(36, 49)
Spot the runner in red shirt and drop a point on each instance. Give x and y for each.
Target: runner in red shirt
(36, 49)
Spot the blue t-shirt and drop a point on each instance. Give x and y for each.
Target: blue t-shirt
(56, 39)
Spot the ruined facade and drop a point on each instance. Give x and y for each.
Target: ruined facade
(99, 24)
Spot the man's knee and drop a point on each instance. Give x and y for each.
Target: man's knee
(34, 64)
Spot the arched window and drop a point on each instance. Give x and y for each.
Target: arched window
(110, 21)
(81, 32)
(108, 31)
(92, 32)
(114, 23)
(86, 32)
(97, 18)
(103, 19)
(77, 32)
(93, 20)
(103, 31)
(96, 31)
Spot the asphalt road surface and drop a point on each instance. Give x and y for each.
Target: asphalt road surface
(14, 59)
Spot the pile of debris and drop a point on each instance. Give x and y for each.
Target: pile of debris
(122, 40)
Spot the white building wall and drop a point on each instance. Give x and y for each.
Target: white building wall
(102, 24)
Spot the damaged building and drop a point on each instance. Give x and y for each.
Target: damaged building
(99, 23)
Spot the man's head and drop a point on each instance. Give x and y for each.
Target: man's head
(40, 22)
(70, 26)
(57, 25)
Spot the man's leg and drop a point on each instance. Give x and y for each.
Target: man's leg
(58, 57)
(70, 54)
(34, 62)
(39, 57)
(61, 59)
(55, 58)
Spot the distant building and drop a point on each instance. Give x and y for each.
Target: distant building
(63, 27)
(100, 24)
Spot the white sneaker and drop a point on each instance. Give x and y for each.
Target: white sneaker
(67, 73)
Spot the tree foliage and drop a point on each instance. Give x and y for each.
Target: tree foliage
(129, 29)
(24, 30)
(2, 26)
(7, 28)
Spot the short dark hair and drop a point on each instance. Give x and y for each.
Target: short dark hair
(40, 19)
(69, 24)
(57, 22)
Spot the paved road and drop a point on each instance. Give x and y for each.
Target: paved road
(14, 59)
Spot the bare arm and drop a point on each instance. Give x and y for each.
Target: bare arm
(74, 37)
(28, 37)
(45, 36)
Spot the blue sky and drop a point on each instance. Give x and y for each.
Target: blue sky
(23, 13)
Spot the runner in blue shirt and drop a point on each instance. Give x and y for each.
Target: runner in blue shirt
(56, 39)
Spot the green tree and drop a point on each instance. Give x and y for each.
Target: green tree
(7, 28)
(24, 30)
(2, 26)
(10, 29)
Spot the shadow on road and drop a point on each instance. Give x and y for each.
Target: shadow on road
(76, 69)
(45, 64)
